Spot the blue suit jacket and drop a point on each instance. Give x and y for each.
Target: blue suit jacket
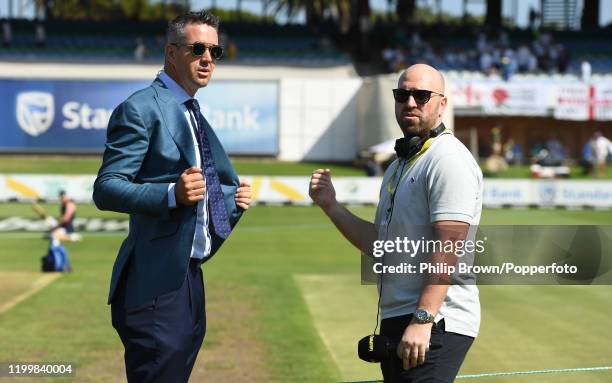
(149, 146)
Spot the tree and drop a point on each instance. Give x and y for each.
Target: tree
(405, 9)
(493, 17)
(590, 14)
(136, 10)
(343, 12)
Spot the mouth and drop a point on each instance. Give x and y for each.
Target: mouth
(204, 71)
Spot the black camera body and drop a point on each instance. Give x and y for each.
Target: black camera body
(375, 348)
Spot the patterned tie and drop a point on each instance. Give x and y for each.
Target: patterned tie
(216, 203)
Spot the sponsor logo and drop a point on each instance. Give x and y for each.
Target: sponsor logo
(500, 96)
(245, 118)
(83, 116)
(35, 112)
(548, 193)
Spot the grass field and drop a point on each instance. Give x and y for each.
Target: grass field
(91, 164)
(284, 304)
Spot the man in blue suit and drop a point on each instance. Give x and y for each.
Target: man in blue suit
(164, 166)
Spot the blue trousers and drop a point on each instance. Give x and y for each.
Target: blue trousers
(162, 338)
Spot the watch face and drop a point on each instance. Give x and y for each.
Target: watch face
(421, 315)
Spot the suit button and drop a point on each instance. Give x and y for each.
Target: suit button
(195, 210)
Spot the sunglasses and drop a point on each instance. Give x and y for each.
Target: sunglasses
(199, 49)
(421, 96)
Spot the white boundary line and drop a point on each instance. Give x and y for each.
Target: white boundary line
(514, 373)
(534, 372)
(38, 284)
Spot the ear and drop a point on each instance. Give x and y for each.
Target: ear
(170, 52)
(442, 107)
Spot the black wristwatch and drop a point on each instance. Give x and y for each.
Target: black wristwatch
(422, 316)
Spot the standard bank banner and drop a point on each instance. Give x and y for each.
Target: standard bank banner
(351, 190)
(64, 116)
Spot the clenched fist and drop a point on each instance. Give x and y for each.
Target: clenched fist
(321, 189)
(243, 195)
(190, 187)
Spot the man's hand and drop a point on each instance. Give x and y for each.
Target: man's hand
(243, 195)
(414, 344)
(321, 189)
(190, 187)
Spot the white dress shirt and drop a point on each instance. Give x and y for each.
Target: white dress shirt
(200, 248)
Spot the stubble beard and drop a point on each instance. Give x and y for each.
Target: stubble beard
(420, 128)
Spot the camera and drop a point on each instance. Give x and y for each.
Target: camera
(375, 348)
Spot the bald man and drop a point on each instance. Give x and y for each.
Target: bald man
(433, 191)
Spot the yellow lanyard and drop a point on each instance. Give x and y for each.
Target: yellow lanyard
(407, 166)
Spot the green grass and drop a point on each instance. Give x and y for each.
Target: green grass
(57, 164)
(278, 168)
(91, 164)
(50, 164)
(83, 210)
(260, 265)
(489, 216)
(529, 319)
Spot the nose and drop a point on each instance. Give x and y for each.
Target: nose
(411, 102)
(207, 56)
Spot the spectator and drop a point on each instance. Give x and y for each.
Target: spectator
(585, 69)
(587, 158)
(504, 41)
(546, 39)
(562, 58)
(526, 61)
(486, 62)
(506, 68)
(415, 40)
(556, 152)
(509, 152)
(7, 33)
(482, 45)
(390, 55)
(373, 168)
(140, 52)
(600, 147)
(557, 57)
(40, 35)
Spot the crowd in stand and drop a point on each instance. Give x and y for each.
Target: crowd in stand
(499, 55)
(40, 33)
(596, 153)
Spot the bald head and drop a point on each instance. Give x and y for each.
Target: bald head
(426, 76)
(420, 118)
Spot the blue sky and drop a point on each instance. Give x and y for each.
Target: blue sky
(520, 7)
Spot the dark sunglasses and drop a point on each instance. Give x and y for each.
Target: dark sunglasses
(199, 49)
(421, 96)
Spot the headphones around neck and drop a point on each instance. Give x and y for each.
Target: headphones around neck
(406, 147)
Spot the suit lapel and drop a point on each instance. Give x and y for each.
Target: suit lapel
(175, 122)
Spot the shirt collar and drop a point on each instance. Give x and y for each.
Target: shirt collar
(177, 91)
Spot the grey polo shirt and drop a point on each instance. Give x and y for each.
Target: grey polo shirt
(445, 183)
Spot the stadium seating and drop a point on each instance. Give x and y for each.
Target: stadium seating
(268, 43)
(98, 41)
(593, 46)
